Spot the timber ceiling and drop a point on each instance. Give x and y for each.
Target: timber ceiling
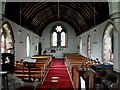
(35, 16)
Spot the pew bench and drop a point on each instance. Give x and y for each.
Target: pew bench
(34, 73)
(88, 76)
(79, 60)
(37, 70)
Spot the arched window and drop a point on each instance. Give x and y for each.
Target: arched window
(108, 44)
(54, 39)
(63, 39)
(28, 46)
(80, 45)
(2, 41)
(88, 47)
(7, 39)
(58, 37)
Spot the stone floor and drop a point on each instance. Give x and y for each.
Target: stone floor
(14, 83)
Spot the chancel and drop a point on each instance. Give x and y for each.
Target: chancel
(60, 45)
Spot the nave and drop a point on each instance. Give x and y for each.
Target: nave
(73, 72)
(35, 36)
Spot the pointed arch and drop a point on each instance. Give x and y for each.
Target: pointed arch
(58, 36)
(7, 38)
(108, 43)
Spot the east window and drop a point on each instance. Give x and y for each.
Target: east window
(58, 37)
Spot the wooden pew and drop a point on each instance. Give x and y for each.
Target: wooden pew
(43, 59)
(76, 59)
(38, 69)
(72, 59)
(35, 72)
(87, 74)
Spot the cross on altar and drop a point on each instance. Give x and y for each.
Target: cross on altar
(58, 28)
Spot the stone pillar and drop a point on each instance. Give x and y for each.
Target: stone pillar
(0, 39)
(2, 8)
(0, 54)
(114, 12)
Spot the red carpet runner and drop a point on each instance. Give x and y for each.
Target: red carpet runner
(57, 77)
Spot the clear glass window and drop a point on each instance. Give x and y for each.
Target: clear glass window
(28, 46)
(63, 39)
(108, 44)
(58, 37)
(54, 35)
(80, 46)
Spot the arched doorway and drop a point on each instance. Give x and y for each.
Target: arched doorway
(108, 38)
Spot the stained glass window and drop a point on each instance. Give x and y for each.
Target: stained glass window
(2, 44)
(2, 41)
(108, 44)
(7, 40)
(88, 47)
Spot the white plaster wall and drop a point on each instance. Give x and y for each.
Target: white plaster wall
(71, 36)
(20, 48)
(96, 48)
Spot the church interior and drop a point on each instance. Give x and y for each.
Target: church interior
(59, 45)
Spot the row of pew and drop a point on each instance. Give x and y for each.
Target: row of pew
(79, 60)
(79, 68)
(33, 70)
(92, 73)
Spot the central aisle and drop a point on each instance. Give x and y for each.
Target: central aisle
(57, 77)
